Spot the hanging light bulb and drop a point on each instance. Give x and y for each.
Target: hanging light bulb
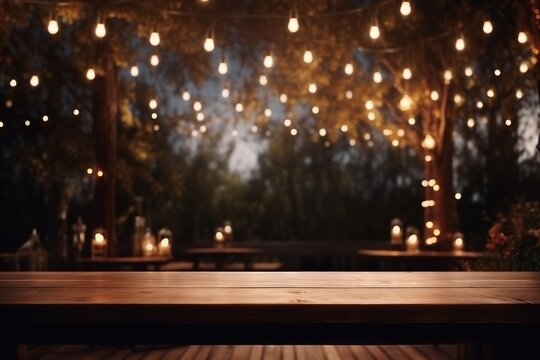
(434, 95)
(223, 68)
(308, 56)
(447, 76)
(186, 96)
(349, 68)
(268, 61)
(374, 32)
(405, 103)
(487, 28)
(225, 93)
(263, 80)
(312, 88)
(154, 60)
(429, 142)
(377, 77)
(523, 67)
(468, 71)
(91, 74)
(283, 98)
(293, 24)
(460, 43)
(34, 81)
(152, 104)
(209, 42)
(405, 8)
(100, 30)
(134, 71)
(522, 37)
(52, 28)
(407, 73)
(154, 38)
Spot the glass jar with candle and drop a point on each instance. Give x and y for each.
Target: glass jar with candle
(219, 236)
(412, 241)
(228, 230)
(164, 242)
(458, 242)
(148, 243)
(396, 232)
(99, 243)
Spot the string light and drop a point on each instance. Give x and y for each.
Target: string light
(519, 94)
(45, 118)
(283, 98)
(254, 128)
(395, 143)
(369, 105)
(154, 60)
(90, 74)
(522, 37)
(470, 122)
(374, 32)
(154, 116)
(490, 93)
(344, 128)
(89, 171)
(199, 116)
(315, 110)
(154, 38)
(263, 80)
(27, 123)
(197, 106)
(1, 124)
(13, 83)
(407, 73)
(523, 67)
(479, 104)
(508, 122)
(100, 29)
(487, 28)
(53, 28)
(186, 96)
(322, 132)
(434, 95)
(312, 88)
(239, 107)
(460, 43)
(427, 158)
(294, 132)
(352, 142)
(293, 24)
(134, 71)
(152, 104)
(34, 80)
(457, 196)
(468, 71)
(497, 72)
(447, 76)
(429, 224)
(411, 121)
(308, 56)
(203, 128)
(377, 77)
(223, 68)
(349, 94)
(429, 143)
(268, 61)
(100, 173)
(267, 113)
(405, 103)
(458, 99)
(156, 127)
(225, 93)
(287, 122)
(349, 69)
(76, 112)
(405, 8)
(371, 116)
(209, 42)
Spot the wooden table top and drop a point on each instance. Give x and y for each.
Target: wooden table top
(288, 300)
(421, 254)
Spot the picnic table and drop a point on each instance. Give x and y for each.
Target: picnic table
(269, 307)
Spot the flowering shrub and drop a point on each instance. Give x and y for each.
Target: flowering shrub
(514, 241)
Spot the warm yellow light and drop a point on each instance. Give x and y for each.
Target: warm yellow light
(154, 115)
(447, 76)
(490, 93)
(519, 94)
(370, 105)
(45, 118)
(100, 30)
(203, 129)
(431, 182)
(387, 132)
(429, 142)
(371, 116)
(13, 83)
(27, 123)
(199, 116)
(308, 56)
(194, 133)
(99, 238)
(349, 94)
(411, 121)
(322, 132)
(425, 183)
(100, 173)
(374, 32)
(497, 72)
(34, 80)
(89, 171)
(468, 71)
(287, 122)
(219, 236)
(457, 196)
(395, 143)
(294, 132)
(239, 107)
(312, 88)
(407, 73)
(405, 103)
(267, 112)
(186, 96)
(315, 109)
(352, 142)
(209, 43)
(458, 243)
(293, 24)
(268, 61)
(487, 28)
(523, 67)
(223, 68)
(479, 104)
(401, 132)
(436, 232)
(152, 104)
(344, 128)
(434, 95)
(53, 28)
(154, 60)
(431, 241)
(134, 71)
(349, 69)
(367, 136)
(197, 106)
(436, 187)
(263, 80)
(377, 77)
(405, 8)
(427, 158)
(460, 43)
(154, 38)
(225, 93)
(508, 122)
(283, 98)
(522, 37)
(429, 224)
(470, 122)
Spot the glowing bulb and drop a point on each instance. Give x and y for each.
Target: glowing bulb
(436, 187)
(429, 224)
(352, 142)
(225, 93)
(460, 43)
(152, 104)
(395, 143)
(294, 132)
(468, 71)
(470, 122)
(254, 128)
(287, 122)
(312, 88)
(89, 171)
(377, 77)
(76, 112)
(283, 98)
(13, 83)
(497, 72)
(200, 117)
(487, 27)
(457, 196)
(436, 232)
(197, 106)
(45, 118)
(407, 73)
(405, 103)
(428, 158)
(405, 8)
(349, 69)
(344, 128)
(322, 132)
(267, 112)
(523, 67)
(268, 61)
(371, 116)
(349, 94)
(374, 32)
(308, 56)
(134, 71)
(203, 129)
(519, 94)
(411, 121)
(154, 116)
(186, 96)
(100, 30)
(223, 68)
(34, 80)
(315, 110)
(522, 37)
(154, 60)
(508, 122)
(154, 38)
(447, 76)
(479, 104)
(293, 24)
(263, 80)
(490, 93)
(370, 105)
(27, 123)
(100, 173)
(239, 107)
(52, 28)
(434, 95)
(209, 43)
(458, 99)
(429, 142)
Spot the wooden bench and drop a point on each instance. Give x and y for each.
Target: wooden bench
(269, 308)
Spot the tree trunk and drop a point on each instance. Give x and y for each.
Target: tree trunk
(104, 128)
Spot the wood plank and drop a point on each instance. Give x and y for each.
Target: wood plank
(314, 352)
(377, 352)
(189, 354)
(431, 352)
(271, 352)
(330, 352)
(256, 352)
(393, 352)
(221, 352)
(288, 352)
(361, 352)
(300, 351)
(175, 353)
(271, 279)
(345, 352)
(412, 352)
(241, 352)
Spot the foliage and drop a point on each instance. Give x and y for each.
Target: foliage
(514, 239)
